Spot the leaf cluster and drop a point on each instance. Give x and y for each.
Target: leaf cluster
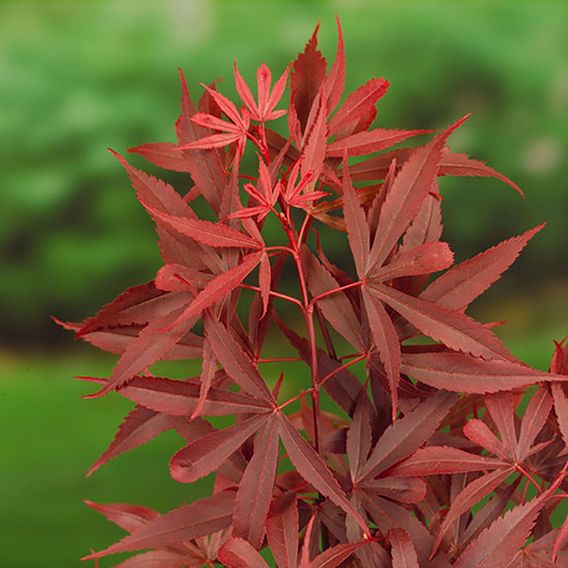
(429, 432)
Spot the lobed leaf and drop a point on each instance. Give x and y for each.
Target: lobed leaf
(356, 224)
(386, 342)
(357, 105)
(440, 460)
(220, 287)
(498, 544)
(468, 497)
(205, 232)
(157, 559)
(282, 526)
(235, 361)
(140, 426)
(238, 553)
(370, 141)
(403, 551)
(337, 555)
(181, 398)
(460, 372)
(463, 283)
(407, 434)
(184, 523)
(127, 517)
(206, 454)
(255, 490)
(335, 80)
(406, 195)
(454, 329)
(162, 154)
(314, 470)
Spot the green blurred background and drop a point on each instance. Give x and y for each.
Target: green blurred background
(78, 77)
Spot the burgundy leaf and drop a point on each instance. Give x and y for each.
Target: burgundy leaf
(404, 490)
(369, 141)
(468, 497)
(479, 433)
(407, 434)
(179, 278)
(336, 308)
(204, 166)
(451, 164)
(308, 74)
(386, 341)
(454, 164)
(403, 551)
(357, 105)
(436, 460)
(462, 373)
(205, 232)
(154, 192)
(127, 517)
(405, 197)
(264, 279)
(356, 223)
(560, 539)
(539, 554)
(163, 154)
(306, 552)
(206, 454)
(336, 555)
(180, 398)
(335, 80)
(314, 470)
(561, 409)
(498, 545)
(138, 305)
(282, 530)
(423, 259)
(208, 369)
(455, 329)
(501, 407)
(238, 553)
(388, 516)
(140, 426)
(255, 490)
(463, 283)
(359, 435)
(188, 521)
(157, 559)
(235, 361)
(151, 345)
(117, 339)
(219, 288)
(427, 225)
(314, 147)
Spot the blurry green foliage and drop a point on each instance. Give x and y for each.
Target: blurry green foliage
(77, 77)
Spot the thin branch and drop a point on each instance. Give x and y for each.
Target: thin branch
(276, 295)
(323, 295)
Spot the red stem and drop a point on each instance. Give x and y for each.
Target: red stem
(342, 368)
(522, 471)
(323, 295)
(308, 311)
(295, 398)
(276, 295)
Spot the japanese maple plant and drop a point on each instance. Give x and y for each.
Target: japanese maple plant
(409, 445)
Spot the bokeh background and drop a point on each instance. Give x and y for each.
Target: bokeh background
(78, 77)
